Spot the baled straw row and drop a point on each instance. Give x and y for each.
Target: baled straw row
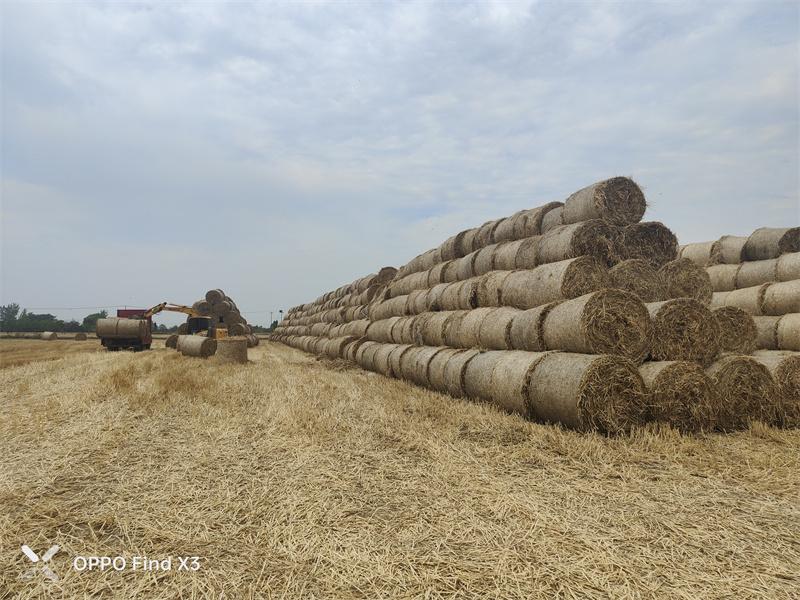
(772, 299)
(778, 333)
(726, 278)
(618, 201)
(763, 244)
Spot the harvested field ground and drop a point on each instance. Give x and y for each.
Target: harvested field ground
(295, 477)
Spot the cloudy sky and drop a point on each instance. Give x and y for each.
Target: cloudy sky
(151, 151)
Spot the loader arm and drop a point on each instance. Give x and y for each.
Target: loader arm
(167, 306)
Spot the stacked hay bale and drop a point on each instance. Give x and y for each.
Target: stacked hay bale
(573, 312)
(223, 309)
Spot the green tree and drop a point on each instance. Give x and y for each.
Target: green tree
(8, 317)
(90, 321)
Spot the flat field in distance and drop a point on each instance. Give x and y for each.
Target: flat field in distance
(293, 477)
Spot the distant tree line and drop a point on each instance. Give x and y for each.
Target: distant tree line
(14, 319)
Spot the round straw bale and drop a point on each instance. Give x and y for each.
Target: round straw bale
(453, 247)
(585, 392)
(530, 223)
(484, 260)
(553, 218)
(684, 279)
(469, 328)
(172, 341)
(750, 300)
(781, 298)
(767, 332)
(437, 365)
(252, 340)
(520, 254)
(236, 329)
(231, 350)
(48, 335)
(511, 379)
(462, 295)
(468, 242)
(221, 308)
(454, 372)
(489, 288)
(381, 331)
(737, 330)
(452, 327)
(731, 249)
(215, 296)
(465, 267)
(417, 302)
(365, 356)
(785, 370)
(683, 329)
(746, 391)
(703, 254)
(485, 235)
(771, 242)
(757, 272)
(395, 357)
(80, 337)
(478, 375)
(362, 348)
(526, 328)
(723, 277)
(788, 267)
(603, 322)
(617, 200)
(651, 241)
(554, 281)
(395, 307)
(380, 360)
(589, 238)
(450, 271)
(403, 331)
(351, 348)
(202, 307)
(494, 332)
(430, 331)
(681, 394)
(422, 359)
(197, 346)
(385, 275)
(788, 332)
(640, 277)
(436, 274)
(504, 232)
(408, 361)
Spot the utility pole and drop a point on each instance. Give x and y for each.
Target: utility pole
(270, 319)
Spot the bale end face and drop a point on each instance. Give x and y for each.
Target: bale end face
(746, 392)
(681, 394)
(737, 330)
(684, 279)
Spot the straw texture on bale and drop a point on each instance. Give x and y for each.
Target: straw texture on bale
(494, 332)
(781, 298)
(469, 328)
(114, 327)
(511, 380)
(436, 368)
(588, 238)
(778, 333)
(553, 218)
(202, 307)
(454, 372)
(417, 302)
(788, 268)
(462, 295)
(617, 200)
(381, 361)
(604, 322)
(520, 254)
(785, 370)
(771, 242)
(680, 393)
(490, 288)
(430, 331)
(478, 375)
(394, 307)
(731, 249)
(745, 390)
(555, 281)
(484, 260)
(222, 308)
(197, 346)
(703, 254)
(684, 279)
(737, 330)
(231, 350)
(81, 337)
(422, 359)
(381, 331)
(526, 332)
(530, 223)
(172, 341)
(48, 335)
(683, 329)
(723, 277)
(395, 357)
(756, 272)
(639, 277)
(651, 241)
(587, 392)
(750, 300)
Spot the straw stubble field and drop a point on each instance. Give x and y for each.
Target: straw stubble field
(295, 477)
